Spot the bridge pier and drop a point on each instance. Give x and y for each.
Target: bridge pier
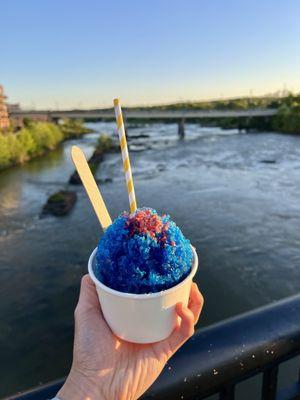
(247, 124)
(243, 124)
(240, 125)
(181, 132)
(54, 120)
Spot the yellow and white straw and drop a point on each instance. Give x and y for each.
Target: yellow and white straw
(125, 155)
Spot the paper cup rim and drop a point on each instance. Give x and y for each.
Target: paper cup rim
(144, 296)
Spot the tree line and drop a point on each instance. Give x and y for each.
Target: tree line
(35, 139)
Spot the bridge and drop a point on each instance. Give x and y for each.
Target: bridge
(146, 114)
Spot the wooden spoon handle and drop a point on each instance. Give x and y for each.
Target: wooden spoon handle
(90, 186)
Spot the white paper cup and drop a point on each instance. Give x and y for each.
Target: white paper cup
(142, 318)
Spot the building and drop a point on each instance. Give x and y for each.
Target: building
(4, 119)
(13, 107)
(17, 121)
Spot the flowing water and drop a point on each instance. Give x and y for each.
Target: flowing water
(236, 196)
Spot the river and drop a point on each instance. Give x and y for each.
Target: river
(236, 196)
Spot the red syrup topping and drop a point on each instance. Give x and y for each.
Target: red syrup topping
(146, 223)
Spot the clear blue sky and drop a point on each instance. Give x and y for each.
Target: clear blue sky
(70, 53)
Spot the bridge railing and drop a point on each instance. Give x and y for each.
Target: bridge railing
(221, 356)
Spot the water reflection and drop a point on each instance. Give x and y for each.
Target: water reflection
(11, 198)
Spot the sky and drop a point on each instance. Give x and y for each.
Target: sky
(60, 54)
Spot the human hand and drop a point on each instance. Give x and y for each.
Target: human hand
(107, 368)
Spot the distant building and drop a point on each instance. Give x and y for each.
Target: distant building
(4, 119)
(17, 121)
(13, 107)
(39, 117)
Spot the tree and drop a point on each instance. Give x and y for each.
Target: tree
(17, 153)
(27, 141)
(4, 151)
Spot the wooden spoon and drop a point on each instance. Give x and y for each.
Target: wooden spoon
(90, 186)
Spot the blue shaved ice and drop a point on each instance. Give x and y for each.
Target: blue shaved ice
(143, 253)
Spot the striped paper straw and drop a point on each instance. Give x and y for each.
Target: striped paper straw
(125, 156)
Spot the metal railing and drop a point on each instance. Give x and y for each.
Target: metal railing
(221, 356)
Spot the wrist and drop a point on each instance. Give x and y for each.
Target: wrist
(79, 387)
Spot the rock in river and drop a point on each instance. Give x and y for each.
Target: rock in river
(60, 203)
(268, 161)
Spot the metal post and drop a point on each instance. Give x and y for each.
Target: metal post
(227, 393)
(269, 385)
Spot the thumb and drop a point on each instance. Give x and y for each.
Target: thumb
(88, 313)
(88, 298)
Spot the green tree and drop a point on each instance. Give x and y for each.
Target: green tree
(26, 140)
(4, 151)
(288, 117)
(17, 153)
(46, 136)
(35, 139)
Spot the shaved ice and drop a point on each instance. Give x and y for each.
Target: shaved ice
(143, 253)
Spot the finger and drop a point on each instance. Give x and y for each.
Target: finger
(88, 298)
(89, 319)
(195, 302)
(184, 330)
(187, 321)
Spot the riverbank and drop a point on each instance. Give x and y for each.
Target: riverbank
(36, 139)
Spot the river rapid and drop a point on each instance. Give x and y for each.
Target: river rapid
(234, 195)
